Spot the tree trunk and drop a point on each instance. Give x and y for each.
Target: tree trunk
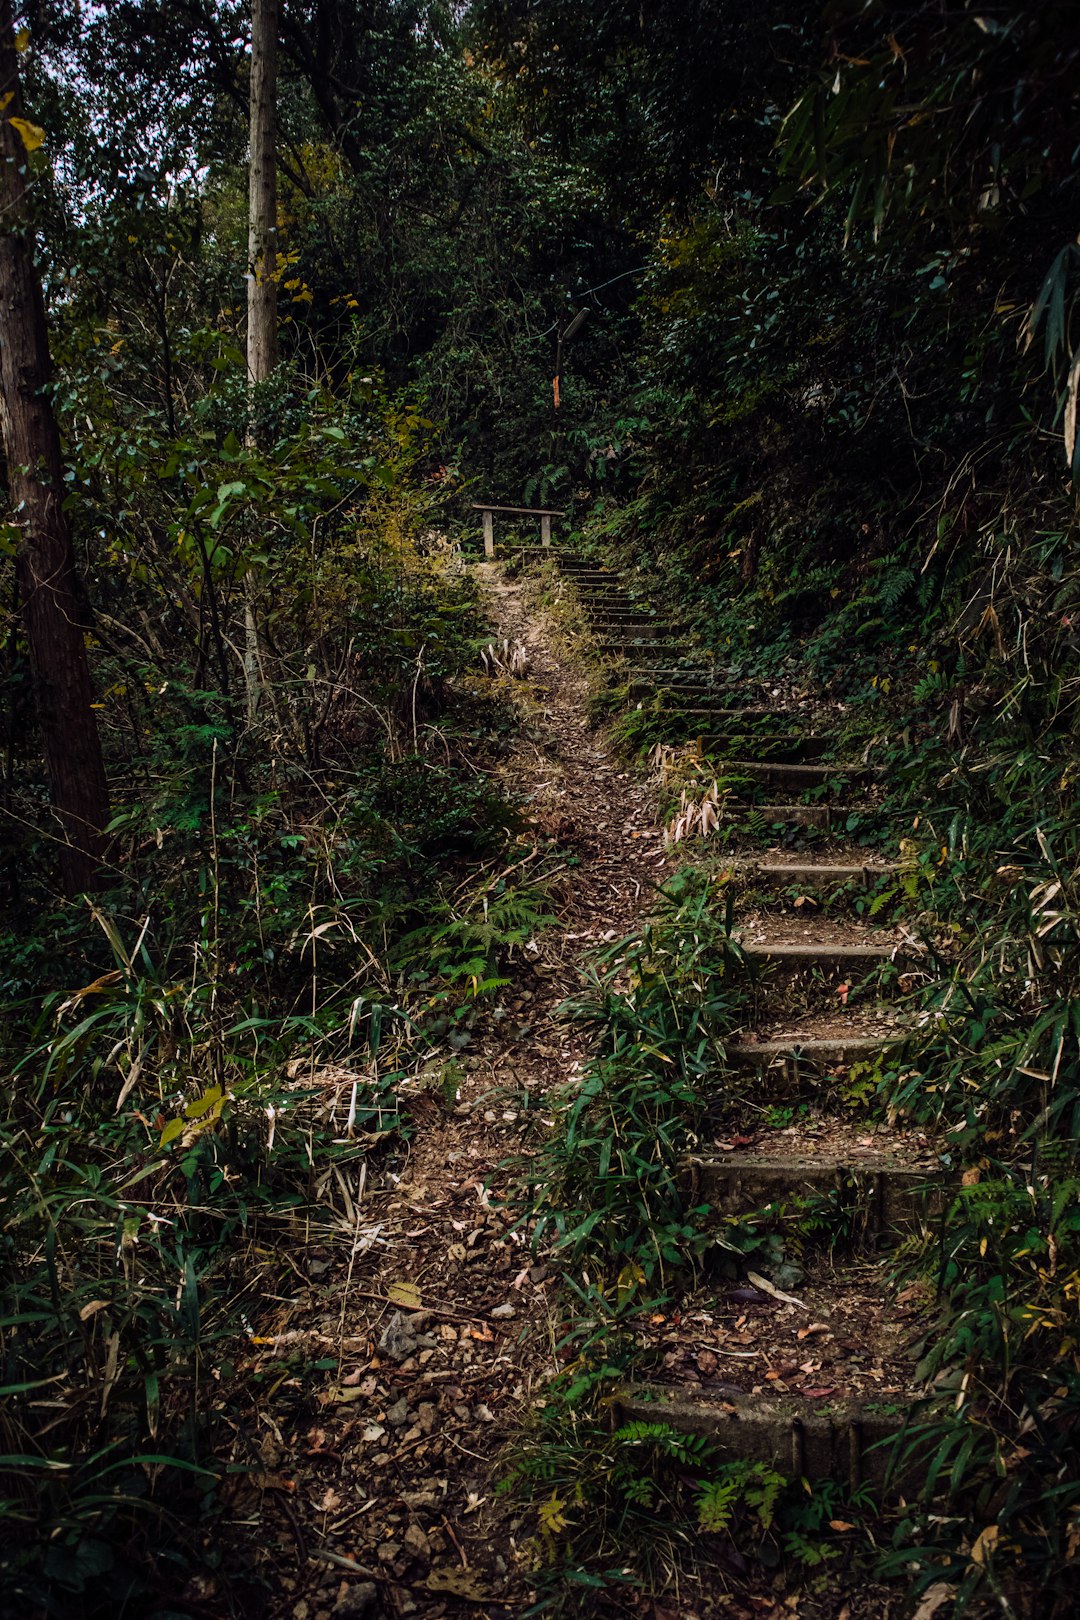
(262, 193)
(262, 265)
(46, 564)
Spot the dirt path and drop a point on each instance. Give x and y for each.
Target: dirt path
(385, 1503)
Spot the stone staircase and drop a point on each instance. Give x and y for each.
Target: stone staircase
(813, 1377)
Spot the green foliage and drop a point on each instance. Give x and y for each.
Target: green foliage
(607, 1184)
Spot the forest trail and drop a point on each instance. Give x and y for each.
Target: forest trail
(390, 1504)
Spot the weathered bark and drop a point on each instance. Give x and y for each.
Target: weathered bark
(262, 194)
(49, 588)
(262, 265)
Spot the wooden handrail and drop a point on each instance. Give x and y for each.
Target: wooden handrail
(544, 513)
(521, 511)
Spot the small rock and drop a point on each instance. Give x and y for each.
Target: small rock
(398, 1414)
(502, 1313)
(388, 1552)
(398, 1341)
(301, 1610)
(417, 1542)
(484, 1413)
(426, 1414)
(359, 1602)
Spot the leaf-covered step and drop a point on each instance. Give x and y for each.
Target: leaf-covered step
(813, 1055)
(805, 1372)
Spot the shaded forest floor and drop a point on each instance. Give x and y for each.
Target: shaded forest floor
(423, 1328)
(394, 1481)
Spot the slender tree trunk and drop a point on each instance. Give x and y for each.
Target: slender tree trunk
(262, 193)
(46, 563)
(262, 264)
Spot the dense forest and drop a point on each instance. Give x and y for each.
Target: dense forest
(775, 308)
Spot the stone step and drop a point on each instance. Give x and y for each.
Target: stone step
(792, 749)
(832, 957)
(796, 815)
(811, 1056)
(611, 602)
(626, 620)
(797, 1436)
(621, 647)
(812, 874)
(886, 1193)
(797, 777)
(631, 629)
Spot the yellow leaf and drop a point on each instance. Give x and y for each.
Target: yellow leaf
(985, 1542)
(31, 135)
(405, 1294)
(22, 40)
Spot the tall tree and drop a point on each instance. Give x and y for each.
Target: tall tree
(262, 262)
(262, 193)
(49, 590)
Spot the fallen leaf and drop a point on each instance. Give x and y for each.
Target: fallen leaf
(840, 1524)
(459, 1583)
(932, 1599)
(816, 1394)
(404, 1294)
(770, 1288)
(92, 1309)
(814, 1327)
(985, 1542)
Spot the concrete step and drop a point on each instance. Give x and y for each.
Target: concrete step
(707, 713)
(790, 749)
(796, 815)
(885, 1193)
(830, 957)
(625, 619)
(796, 777)
(808, 1057)
(795, 1435)
(811, 874)
(643, 646)
(632, 629)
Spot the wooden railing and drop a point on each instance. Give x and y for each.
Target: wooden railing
(544, 513)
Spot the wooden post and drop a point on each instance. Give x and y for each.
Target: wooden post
(545, 530)
(489, 534)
